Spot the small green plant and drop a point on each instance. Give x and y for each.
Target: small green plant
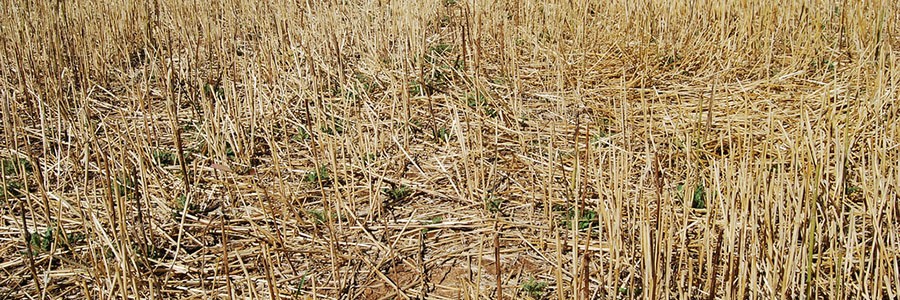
(180, 203)
(301, 285)
(301, 135)
(854, 193)
(214, 90)
(441, 76)
(397, 193)
(164, 158)
(534, 288)
(74, 238)
(123, 185)
(336, 127)
(440, 48)
(442, 134)
(366, 83)
(481, 101)
(13, 189)
(336, 90)
(597, 139)
(603, 131)
(445, 21)
(415, 89)
(433, 221)
(670, 60)
(588, 218)
(319, 217)
(625, 291)
(699, 201)
(42, 241)
(824, 63)
(490, 112)
(229, 150)
(474, 101)
(319, 174)
(415, 126)
(316, 215)
(11, 166)
(494, 205)
(369, 158)
(697, 198)
(500, 80)
(71, 239)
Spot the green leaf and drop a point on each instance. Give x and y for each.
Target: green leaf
(315, 176)
(11, 166)
(699, 197)
(397, 193)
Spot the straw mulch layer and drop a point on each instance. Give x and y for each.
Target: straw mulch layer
(450, 150)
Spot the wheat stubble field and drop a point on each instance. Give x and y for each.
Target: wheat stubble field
(449, 149)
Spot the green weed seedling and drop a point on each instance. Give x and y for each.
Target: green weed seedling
(229, 151)
(12, 189)
(588, 218)
(180, 202)
(11, 166)
(152, 251)
(823, 63)
(415, 89)
(369, 158)
(433, 221)
(42, 241)
(72, 239)
(301, 284)
(534, 288)
(319, 174)
(669, 61)
(480, 100)
(214, 90)
(397, 193)
(437, 51)
(366, 83)
(490, 112)
(697, 199)
(123, 185)
(475, 101)
(854, 193)
(336, 127)
(442, 134)
(625, 291)
(415, 126)
(301, 136)
(440, 49)
(318, 216)
(164, 158)
(597, 140)
(494, 205)
(441, 76)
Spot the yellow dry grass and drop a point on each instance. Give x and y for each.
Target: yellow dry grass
(446, 149)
